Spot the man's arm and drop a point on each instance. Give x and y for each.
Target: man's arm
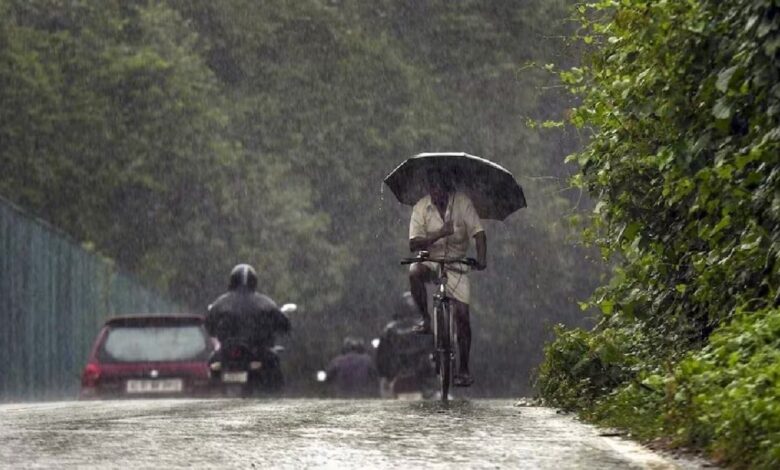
(273, 316)
(332, 370)
(212, 319)
(282, 322)
(481, 240)
(211, 324)
(474, 225)
(423, 243)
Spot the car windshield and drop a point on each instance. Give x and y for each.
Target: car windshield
(155, 343)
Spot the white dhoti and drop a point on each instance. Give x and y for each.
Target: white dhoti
(457, 282)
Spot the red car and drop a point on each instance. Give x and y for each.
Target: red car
(149, 355)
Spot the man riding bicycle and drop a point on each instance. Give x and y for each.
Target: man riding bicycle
(443, 223)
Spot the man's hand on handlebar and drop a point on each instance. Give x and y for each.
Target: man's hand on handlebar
(476, 264)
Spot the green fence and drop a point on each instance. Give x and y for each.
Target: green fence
(54, 296)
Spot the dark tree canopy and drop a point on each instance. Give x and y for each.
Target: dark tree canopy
(180, 138)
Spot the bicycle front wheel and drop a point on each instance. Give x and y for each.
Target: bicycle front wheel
(444, 350)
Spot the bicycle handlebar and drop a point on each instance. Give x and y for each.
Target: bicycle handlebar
(421, 259)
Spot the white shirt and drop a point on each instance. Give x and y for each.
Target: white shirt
(426, 220)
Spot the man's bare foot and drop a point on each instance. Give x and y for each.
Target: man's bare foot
(463, 379)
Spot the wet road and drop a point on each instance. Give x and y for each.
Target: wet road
(307, 433)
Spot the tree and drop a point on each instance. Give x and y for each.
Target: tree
(181, 138)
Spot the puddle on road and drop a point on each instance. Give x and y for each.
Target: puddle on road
(308, 433)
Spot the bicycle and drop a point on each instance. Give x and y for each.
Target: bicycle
(444, 334)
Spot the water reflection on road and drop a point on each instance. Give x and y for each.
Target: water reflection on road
(307, 433)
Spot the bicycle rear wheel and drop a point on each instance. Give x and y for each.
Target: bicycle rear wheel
(444, 350)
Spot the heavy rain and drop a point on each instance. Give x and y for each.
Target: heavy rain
(417, 234)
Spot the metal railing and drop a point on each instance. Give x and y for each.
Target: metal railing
(54, 296)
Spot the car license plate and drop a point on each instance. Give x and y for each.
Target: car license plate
(235, 377)
(154, 386)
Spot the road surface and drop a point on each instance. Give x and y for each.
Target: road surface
(301, 433)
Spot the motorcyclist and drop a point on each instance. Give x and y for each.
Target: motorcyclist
(242, 314)
(352, 373)
(403, 356)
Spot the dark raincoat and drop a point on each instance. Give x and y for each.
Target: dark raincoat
(353, 375)
(245, 315)
(401, 350)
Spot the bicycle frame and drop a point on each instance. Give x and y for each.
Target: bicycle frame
(444, 335)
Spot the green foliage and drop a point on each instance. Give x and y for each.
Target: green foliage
(115, 129)
(580, 367)
(182, 137)
(682, 104)
(685, 198)
(726, 394)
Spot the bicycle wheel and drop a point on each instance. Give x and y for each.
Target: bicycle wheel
(444, 350)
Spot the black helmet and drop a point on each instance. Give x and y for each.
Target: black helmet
(243, 275)
(352, 344)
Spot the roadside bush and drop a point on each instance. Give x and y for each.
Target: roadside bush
(580, 367)
(728, 394)
(723, 398)
(557, 381)
(681, 101)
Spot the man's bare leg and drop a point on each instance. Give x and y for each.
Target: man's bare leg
(463, 324)
(419, 274)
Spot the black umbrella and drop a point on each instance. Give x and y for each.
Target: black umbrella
(491, 187)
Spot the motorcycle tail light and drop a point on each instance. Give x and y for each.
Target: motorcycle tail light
(91, 375)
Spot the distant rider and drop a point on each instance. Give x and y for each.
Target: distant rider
(352, 373)
(402, 356)
(246, 315)
(443, 223)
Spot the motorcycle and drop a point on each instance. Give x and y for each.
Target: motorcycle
(241, 370)
(406, 367)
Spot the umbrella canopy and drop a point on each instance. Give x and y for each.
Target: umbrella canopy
(491, 187)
